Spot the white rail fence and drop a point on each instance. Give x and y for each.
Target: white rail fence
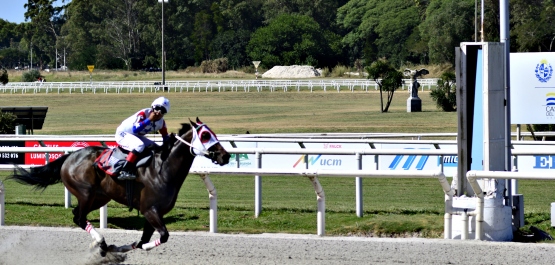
(204, 86)
(258, 172)
(313, 175)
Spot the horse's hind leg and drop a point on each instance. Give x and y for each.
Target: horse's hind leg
(154, 221)
(80, 212)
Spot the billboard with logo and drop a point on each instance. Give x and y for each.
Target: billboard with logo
(40, 158)
(532, 88)
(12, 158)
(418, 162)
(538, 163)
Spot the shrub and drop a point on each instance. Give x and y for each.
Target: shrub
(30, 76)
(326, 72)
(219, 65)
(339, 71)
(7, 123)
(4, 76)
(445, 94)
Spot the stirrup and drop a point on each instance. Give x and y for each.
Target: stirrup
(124, 175)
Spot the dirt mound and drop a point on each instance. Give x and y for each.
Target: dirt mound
(293, 71)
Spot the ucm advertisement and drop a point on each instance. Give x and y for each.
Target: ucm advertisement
(338, 162)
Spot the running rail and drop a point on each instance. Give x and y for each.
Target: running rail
(2, 203)
(473, 177)
(312, 175)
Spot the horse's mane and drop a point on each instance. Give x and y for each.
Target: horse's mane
(185, 127)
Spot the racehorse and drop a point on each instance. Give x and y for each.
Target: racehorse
(155, 189)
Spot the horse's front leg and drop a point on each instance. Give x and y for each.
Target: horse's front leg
(98, 238)
(153, 221)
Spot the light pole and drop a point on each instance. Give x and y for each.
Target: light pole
(163, 51)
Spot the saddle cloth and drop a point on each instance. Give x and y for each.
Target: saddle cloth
(111, 160)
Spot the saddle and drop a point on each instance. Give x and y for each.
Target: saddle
(111, 160)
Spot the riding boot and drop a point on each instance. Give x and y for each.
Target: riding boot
(129, 168)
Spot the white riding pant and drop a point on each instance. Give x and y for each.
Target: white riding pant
(132, 142)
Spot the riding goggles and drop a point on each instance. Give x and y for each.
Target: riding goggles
(159, 108)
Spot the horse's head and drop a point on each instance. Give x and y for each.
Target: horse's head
(204, 141)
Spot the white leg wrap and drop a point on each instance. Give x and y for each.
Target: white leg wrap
(95, 235)
(151, 245)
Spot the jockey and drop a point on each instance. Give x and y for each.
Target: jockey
(130, 135)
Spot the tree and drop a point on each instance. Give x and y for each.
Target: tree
(447, 24)
(387, 78)
(445, 94)
(292, 39)
(203, 31)
(119, 31)
(4, 79)
(383, 28)
(324, 12)
(45, 27)
(533, 25)
(79, 29)
(232, 45)
(7, 123)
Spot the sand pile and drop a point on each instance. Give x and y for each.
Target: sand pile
(293, 71)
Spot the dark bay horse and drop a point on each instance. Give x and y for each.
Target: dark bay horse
(156, 187)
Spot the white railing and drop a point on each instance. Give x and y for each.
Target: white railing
(320, 194)
(204, 86)
(473, 176)
(312, 174)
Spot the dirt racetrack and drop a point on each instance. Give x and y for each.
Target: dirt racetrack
(41, 245)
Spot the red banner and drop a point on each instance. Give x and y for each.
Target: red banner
(40, 158)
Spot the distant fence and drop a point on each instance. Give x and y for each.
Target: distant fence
(204, 86)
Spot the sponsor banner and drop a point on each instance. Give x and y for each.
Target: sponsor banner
(12, 158)
(335, 162)
(418, 162)
(324, 162)
(537, 162)
(532, 88)
(244, 160)
(40, 158)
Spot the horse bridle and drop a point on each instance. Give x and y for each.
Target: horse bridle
(209, 154)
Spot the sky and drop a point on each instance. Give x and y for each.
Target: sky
(13, 10)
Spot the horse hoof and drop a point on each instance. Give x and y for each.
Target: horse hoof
(113, 248)
(104, 246)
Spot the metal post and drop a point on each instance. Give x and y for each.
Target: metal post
(258, 188)
(505, 38)
(163, 51)
(321, 201)
(213, 196)
(482, 22)
(2, 198)
(104, 216)
(358, 184)
(67, 196)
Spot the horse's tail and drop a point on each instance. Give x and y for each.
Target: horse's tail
(42, 176)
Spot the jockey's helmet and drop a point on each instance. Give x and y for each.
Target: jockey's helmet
(162, 104)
